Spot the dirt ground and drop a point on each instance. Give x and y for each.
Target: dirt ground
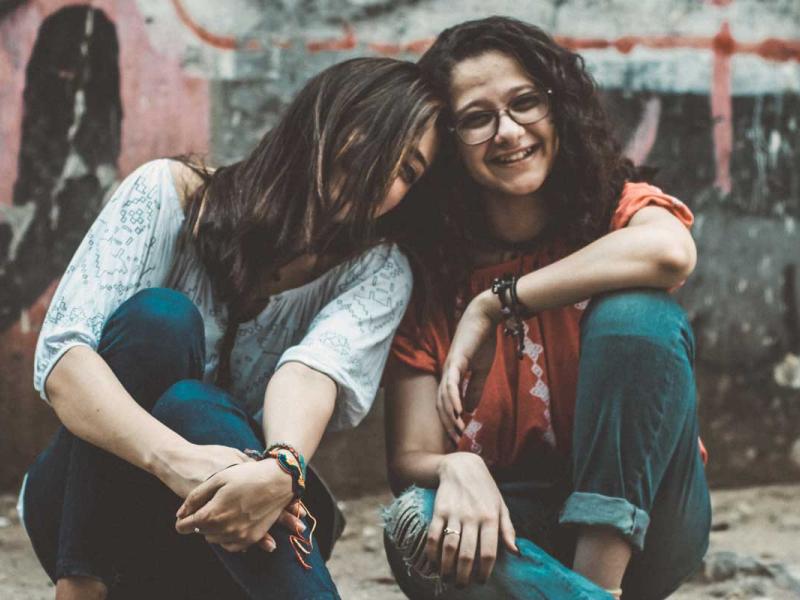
(754, 554)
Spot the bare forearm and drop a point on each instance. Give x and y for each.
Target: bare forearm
(92, 403)
(626, 258)
(298, 404)
(416, 467)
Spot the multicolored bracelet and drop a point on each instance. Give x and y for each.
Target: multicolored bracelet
(289, 460)
(293, 463)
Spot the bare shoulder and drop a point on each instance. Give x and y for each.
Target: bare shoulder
(185, 178)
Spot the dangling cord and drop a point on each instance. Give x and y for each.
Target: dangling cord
(300, 545)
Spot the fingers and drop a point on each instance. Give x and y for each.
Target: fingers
(509, 536)
(291, 521)
(449, 405)
(450, 544)
(468, 545)
(267, 543)
(433, 540)
(487, 551)
(297, 509)
(199, 496)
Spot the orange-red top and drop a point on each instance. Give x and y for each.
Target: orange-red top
(527, 407)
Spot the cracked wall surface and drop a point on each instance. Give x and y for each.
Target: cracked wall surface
(707, 91)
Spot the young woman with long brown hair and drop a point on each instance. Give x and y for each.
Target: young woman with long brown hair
(209, 312)
(570, 440)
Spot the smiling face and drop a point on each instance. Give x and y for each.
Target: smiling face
(518, 158)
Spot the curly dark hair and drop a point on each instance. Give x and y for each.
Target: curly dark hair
(585, 183)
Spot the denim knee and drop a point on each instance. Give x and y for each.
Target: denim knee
(405, 523)
(185, 399)
(640, 313)
(161, 313)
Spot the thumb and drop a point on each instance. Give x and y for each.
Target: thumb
(199, 496)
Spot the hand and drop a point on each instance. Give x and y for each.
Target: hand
(236, 507)
(290, 518)
(468, 501)
(468, 363)
(194, 464)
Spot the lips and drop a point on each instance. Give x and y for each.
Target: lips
(512, 158)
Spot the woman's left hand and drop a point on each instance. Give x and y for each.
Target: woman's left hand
(468, 362)
(236, 507)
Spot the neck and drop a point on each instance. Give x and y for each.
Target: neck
(515, 219)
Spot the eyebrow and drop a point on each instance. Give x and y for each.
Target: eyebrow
(515, 90)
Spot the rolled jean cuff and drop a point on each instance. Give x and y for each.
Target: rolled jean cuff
(583, 508)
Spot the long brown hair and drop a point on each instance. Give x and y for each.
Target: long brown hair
(589, 172)
(312, 185)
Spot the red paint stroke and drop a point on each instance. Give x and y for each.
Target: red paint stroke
(722, 108)
(771, 49)
(222, 42)
(414, 47)
(346, 42)
(644, 138)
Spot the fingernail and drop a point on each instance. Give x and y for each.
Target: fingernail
(270, 546)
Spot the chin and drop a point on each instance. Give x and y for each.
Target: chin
(523, 187)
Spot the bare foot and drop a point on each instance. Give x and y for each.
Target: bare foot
(80, 588)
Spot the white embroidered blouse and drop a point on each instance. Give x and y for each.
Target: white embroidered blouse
(340, 324)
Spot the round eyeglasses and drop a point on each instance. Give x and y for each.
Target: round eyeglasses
(479, 126)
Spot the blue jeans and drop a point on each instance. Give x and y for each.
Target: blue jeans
(635, 467)
(89, 513)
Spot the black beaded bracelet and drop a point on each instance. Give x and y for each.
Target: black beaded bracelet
(510, 309)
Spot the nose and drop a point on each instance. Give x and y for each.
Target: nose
(507, 128)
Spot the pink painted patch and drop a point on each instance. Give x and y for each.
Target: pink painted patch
(722, 108)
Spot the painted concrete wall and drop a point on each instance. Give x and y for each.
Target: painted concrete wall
(709, 92)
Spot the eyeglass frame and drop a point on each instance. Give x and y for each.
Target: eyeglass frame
(497, 112)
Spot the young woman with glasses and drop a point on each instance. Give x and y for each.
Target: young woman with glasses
(544, 406)
(210, 327)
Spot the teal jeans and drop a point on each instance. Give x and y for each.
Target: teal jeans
(635, 467)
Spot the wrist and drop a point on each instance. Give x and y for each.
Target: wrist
(163, 461)
(454, 462)
(489, 305)
(282, 485)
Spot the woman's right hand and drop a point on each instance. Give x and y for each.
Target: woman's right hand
(195, 463)
(468, 501)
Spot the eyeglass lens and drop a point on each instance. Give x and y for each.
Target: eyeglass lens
(479, 126)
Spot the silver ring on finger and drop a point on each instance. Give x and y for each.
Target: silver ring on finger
(197, 531)
(448, 531)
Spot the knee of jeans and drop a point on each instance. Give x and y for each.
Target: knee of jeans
(163, 314)
(183, 400)
(405, 523)
(640, 313)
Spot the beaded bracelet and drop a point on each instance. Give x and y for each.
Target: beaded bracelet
(510, 310)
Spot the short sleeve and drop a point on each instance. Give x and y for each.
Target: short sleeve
(129, 247)
(422, 346)
(636, 196)
(349, 339)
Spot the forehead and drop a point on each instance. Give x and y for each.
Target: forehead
(487, 76)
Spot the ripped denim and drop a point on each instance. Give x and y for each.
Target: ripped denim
(635, 468)
(535, 575)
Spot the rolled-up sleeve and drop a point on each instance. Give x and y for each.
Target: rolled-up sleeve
(129, 247)
(350, 338)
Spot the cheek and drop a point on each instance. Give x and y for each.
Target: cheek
(472, 159)
(396, 194)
